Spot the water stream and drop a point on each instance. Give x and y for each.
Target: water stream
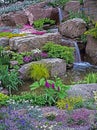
(60, 15)
(77, 53)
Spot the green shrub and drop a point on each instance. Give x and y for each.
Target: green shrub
(38, 71)
(37, 84)
(58, 51)
(92, 32)
(41, 22)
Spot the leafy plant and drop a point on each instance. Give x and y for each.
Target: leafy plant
(55, 90)
(69, 103)
(38, 71)
(41, 22)
(92, 32)
(58, 51)
(37, 84)
(9, 80)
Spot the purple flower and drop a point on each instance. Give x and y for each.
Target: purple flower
(47, 84)
(27, 59)
(66, 106)
(53, 86)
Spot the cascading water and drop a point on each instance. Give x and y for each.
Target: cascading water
(77, 53)
(60, 15)
(74, 44)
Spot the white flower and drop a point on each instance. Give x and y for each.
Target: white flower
(36, 50)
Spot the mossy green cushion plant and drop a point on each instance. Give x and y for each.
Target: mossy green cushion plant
(58, 51)
(38, 71)
(92, 32)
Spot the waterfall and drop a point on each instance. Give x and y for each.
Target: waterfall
(77, 53)
(60, 15)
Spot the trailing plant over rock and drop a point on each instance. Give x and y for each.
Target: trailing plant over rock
(58, 51)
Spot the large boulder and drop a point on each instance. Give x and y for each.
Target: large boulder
(57, 67)
(40, 10)
(73, 6)
(73, 28)
(30, 14)
(91, 49)
(4, 41)
(14, 18)
(29, 42)
(84, 90)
